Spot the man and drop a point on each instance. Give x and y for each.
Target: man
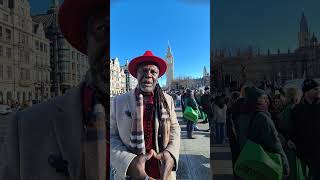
(144, 129)
(306, 125)
(206, 102)
(65, 138)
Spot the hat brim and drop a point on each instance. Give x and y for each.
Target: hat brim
(73, 20)
(133, 65)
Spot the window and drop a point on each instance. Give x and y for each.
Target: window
(8, 34)
(73, 66)
(1, 71)
(21, 73)
(37, 75)
(1, 51)
(78, 67)
(28, 74)
(73, 77)
(41, 46)
(37, 45)
(9, 53)
(27, 57)
(5, 17)
(9, 72)
(73, 55)
(78, 56)
(1, 34)
(1, 2)
(45, 48)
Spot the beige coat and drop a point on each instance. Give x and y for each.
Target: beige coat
(35, 133)
(120, 129)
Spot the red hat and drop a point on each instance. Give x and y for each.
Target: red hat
(73, 20)
(147, 57)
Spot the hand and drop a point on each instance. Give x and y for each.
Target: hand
(167, 163)
(136, 168)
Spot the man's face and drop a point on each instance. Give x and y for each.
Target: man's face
(313, 94)
(147, 76)
(97, 50)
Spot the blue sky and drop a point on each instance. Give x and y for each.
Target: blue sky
(265, 23)
(140, 25)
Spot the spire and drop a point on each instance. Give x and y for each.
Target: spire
(55, 3)
(304, 24)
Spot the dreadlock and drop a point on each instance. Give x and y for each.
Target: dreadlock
(159, 97)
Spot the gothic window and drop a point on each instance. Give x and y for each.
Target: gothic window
(8, 34)
(1, 51)
(1, 71)
(9, 52)
(1, 34)
(21, 73)
(37, 45)
(5, 17)
(9, 72)
(41, 46)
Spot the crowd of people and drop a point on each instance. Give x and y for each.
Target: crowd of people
(284, 121)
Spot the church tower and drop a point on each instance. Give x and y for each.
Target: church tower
(304, 34)
(170, 63)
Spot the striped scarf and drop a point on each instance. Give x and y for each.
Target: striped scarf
(95, 146)
(137, 141)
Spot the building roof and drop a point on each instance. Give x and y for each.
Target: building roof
(46, 19)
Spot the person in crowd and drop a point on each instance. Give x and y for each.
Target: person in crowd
(306, 127)
(255, 121)
(183, 97)
(145, 133)
(67, 137)
(220, 110)
(290, 98)
(206, 102)
(191, 102)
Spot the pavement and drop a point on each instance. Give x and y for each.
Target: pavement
(194, 161)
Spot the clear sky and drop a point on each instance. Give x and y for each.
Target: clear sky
(265, 23)
(140, 25)
(40, 6)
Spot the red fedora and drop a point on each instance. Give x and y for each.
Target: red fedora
(147, 57)
(73, 20)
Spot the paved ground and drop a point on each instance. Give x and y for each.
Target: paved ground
(194, 160)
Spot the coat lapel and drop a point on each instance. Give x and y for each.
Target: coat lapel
(69, 129)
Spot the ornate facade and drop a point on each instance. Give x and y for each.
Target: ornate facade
(68, 65)
(272, 69)
(117, 78)
(24, 54)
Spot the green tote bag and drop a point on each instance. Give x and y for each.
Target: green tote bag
(254, 163)
(191, 114)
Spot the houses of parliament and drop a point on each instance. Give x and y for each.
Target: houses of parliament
(275, 69)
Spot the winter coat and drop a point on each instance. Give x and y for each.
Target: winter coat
(306, 132)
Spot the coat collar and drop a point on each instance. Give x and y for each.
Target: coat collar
(68, 127)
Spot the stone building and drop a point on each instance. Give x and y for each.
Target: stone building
(131, 82)
(271, 69)
(68, 65)
(117, 78)
(24, 54)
